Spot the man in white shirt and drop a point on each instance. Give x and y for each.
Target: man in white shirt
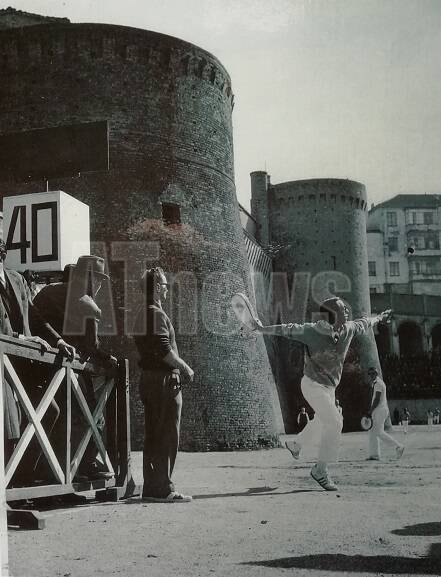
(379, 413)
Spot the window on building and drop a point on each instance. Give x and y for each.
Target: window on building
(414, 267)
(411, 217)
(393, 243)
(171, 213)
(373, 290)
(415, 242)
(391, 218)
(372, 266)
(428, 218)
(394, 268)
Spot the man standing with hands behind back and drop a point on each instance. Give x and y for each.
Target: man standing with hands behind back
(160, 390)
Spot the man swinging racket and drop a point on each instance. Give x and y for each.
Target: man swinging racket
(326, 344)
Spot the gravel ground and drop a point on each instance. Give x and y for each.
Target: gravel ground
(257, 514)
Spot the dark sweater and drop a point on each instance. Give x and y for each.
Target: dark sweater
(154, 337)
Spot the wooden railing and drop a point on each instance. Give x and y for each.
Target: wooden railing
(61, 378)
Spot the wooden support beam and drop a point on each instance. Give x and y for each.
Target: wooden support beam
(33, 418)
(26, 519)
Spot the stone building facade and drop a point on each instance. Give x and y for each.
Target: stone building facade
(404, 245)
(165, 194)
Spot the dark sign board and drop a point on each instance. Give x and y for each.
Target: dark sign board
(54, 152)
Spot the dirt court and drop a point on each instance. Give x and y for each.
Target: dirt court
(258, 514)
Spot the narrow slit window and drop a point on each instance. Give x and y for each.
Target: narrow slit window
(171, 213)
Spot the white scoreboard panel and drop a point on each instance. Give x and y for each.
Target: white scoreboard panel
(44, 231)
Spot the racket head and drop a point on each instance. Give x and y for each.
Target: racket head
(244, 311)
(366, 423)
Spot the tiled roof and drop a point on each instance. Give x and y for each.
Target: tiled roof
(411, 201)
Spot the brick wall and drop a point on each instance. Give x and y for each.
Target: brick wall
(316, 227)
(169, 105)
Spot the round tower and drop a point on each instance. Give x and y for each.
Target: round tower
(319, 227)
(259, 205)
(167, 197)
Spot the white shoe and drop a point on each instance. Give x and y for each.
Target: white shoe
(399, 451)
(323, 480)
(173, 497)
(294, 448)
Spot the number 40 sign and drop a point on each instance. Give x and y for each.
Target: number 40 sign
(44, 231)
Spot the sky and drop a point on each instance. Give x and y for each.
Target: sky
(323, 88)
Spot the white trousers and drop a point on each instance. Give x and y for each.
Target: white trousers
(327, 419)
(377, 432)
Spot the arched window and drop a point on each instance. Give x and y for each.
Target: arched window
(410, 339)
(436, 337)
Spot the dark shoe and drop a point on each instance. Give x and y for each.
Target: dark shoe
(93, 472)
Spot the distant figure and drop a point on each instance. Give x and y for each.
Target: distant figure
(339, 407)
(302, 419)
(397, 420)
(405, 420)
(436, 416)
(379, 413)
(430, 417)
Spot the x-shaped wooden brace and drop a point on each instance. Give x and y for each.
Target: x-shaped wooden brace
(34, 426)
(92, 421)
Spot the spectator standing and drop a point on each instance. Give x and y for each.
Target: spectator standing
(71, 308)
(379, 413)
(405, 420)
(16, 306)
(430, 417)
(160, 390)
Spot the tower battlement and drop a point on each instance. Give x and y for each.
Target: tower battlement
(59, 42)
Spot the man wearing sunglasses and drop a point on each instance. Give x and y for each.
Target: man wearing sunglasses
(160, 389)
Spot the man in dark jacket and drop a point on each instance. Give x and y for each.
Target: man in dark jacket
(70, 306)
(16, 306)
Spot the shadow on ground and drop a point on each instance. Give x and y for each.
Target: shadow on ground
(252, 492)
(383, 564)
(421, 529)
(378, 564)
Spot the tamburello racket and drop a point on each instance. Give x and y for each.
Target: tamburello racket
(244, 311)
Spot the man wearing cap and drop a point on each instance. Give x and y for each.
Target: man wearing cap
(160, 390)
(379, 414)
(16, 307)
(326, 345)
(72, 309)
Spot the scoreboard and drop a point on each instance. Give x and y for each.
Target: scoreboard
(44, 231)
